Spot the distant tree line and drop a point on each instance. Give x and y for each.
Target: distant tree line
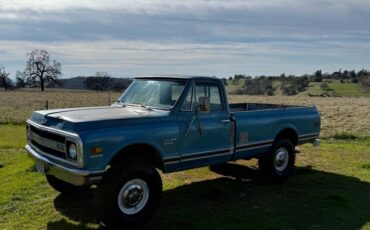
(102, 81)
(41, 72)
(292, 85)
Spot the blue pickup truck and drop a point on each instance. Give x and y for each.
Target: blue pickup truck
(165, 123)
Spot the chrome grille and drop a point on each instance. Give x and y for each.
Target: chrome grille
(47, 142)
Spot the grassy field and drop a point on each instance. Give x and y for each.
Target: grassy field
(17, 105)
(344, 114)
(330, 187)
(338, 115)
(336, 88)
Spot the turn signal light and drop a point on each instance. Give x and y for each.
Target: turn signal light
(96, 150)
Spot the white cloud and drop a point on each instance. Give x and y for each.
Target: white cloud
(122, 58)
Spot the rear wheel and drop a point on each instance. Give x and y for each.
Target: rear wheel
(129, 193)
(279, 162)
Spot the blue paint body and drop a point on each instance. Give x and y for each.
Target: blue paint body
(238, 132)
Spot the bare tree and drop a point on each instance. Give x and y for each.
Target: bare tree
(4, 77)
(38, 68)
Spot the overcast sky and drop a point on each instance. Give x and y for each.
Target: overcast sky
(213, 37)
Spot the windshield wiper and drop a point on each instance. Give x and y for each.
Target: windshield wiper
(122, 103)
(146, 106)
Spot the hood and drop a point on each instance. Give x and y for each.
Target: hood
(61, 117)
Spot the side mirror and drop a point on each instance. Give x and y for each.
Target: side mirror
(204, 105)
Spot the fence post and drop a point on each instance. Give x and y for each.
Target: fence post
(47, 104)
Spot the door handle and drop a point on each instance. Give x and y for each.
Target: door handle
(225, 121)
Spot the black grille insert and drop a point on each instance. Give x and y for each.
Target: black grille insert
(48, 135)
(49, 151)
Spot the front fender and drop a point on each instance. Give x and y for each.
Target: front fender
(113, 140)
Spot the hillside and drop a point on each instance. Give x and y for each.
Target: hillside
(335, 89)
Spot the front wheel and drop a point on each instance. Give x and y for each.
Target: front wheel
(129, 193)
(279, 162)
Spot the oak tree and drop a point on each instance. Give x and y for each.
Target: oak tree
(40, 70)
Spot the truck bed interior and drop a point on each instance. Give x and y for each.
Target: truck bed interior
(240, 107)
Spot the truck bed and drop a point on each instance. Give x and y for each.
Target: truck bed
(241, 107)
(256, 126)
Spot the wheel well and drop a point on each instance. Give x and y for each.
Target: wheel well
(141, 151)
(290, 134)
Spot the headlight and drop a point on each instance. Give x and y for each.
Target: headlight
(72, 151)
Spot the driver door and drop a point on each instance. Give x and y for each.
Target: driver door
(206, 137)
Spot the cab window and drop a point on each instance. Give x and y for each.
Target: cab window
(204, 90)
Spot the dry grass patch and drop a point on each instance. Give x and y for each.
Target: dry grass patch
(16, 106)
(338, 115)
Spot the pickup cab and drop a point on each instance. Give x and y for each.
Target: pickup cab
(167, 124)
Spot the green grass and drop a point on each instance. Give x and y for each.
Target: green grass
(12, 136)
(348, 89)
(336, 89)
(329, 189)
(344, 136)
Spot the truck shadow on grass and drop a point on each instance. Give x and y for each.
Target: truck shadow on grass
(241, 199)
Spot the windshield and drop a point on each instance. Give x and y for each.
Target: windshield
(161, 94)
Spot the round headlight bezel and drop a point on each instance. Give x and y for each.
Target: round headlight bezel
(72, 151)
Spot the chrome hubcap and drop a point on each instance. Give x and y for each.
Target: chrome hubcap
(281, 159)
(133, 196)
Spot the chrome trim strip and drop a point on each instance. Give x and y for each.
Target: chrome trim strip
(172, 162)
(261, 110)
(309, 135)
(196, 156)
(170, 158)
(253, 147)
(255, 143)
(207, 156)
(308, 138)
(205, 152)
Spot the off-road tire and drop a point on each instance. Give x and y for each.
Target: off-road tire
(267, 163)
(108, 191)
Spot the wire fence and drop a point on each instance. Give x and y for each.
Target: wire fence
(16, 107)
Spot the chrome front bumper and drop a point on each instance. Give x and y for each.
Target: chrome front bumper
(70, 175)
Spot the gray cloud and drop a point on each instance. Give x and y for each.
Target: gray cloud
(211, 37)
